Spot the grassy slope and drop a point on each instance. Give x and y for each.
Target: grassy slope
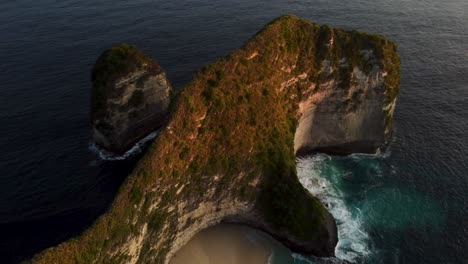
(249, 127)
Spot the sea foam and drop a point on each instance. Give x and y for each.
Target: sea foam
(353, 240)
(136, 149)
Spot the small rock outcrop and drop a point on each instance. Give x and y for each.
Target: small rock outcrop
(228, 151)
(130, 98)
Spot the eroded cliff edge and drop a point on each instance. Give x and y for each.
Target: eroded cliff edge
(228, 152)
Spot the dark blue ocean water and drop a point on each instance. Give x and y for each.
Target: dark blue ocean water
(409, 205)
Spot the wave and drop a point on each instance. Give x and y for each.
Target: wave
(136, 149)
(270, 258)
(353, 240)
(299, 259)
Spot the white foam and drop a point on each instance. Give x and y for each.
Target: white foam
(301, 258)
(136, 149)
(270, 257)
(352, 237)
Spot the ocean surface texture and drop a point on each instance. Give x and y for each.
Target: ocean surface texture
(408, 204)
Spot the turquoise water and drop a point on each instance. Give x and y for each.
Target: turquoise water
(367, 203)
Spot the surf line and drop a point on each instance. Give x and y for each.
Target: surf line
(353, 240)
(136, 149)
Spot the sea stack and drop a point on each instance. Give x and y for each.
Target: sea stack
(130, 98)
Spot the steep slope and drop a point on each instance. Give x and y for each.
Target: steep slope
(228, 152)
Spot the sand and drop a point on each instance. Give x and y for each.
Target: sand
(227, 244)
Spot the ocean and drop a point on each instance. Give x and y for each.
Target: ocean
(408, 204)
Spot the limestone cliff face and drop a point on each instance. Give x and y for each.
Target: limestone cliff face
(130, 98)
(228, 150)
(344, 121)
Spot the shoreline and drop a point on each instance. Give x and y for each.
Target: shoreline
(229, 244)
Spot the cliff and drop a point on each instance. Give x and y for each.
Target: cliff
(130, 98)
(228, 151)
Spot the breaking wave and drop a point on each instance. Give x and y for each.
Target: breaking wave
(353, 240)
(136, 149)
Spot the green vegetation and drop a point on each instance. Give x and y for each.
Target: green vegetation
(116, 62)
(231, 130)
(284, 202)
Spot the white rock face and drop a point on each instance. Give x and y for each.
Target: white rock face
(344, 121)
